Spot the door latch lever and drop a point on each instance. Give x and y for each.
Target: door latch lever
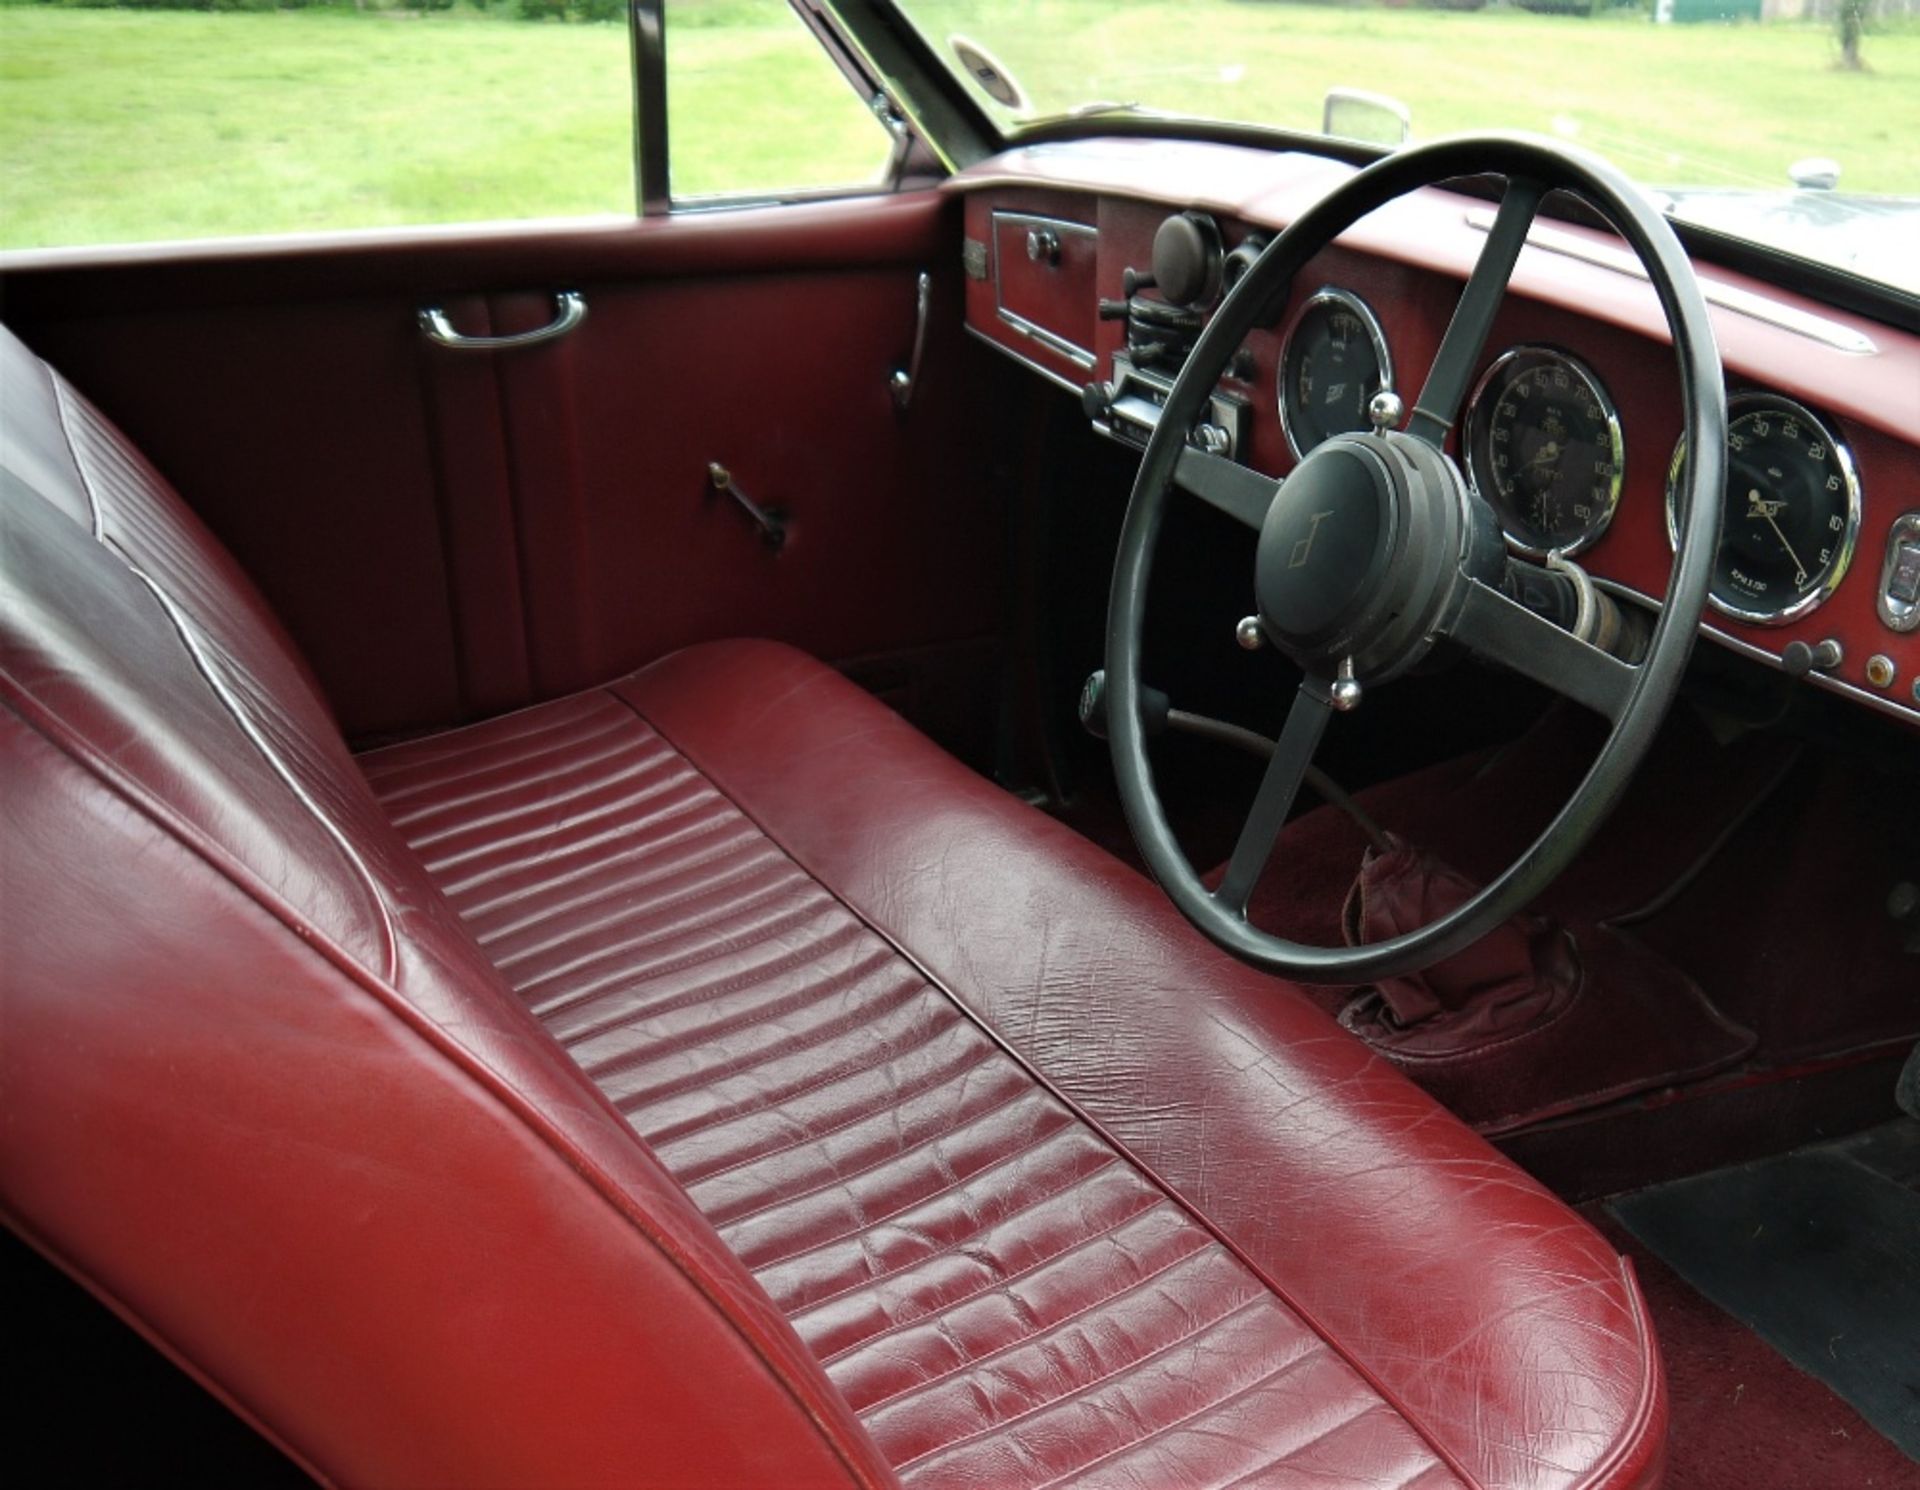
(771, 521)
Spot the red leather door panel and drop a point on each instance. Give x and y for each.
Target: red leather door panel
(452, 534)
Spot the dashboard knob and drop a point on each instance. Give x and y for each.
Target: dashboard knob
(1799, 659)
(1187, 259)
(1097, 400)
(1212, 439)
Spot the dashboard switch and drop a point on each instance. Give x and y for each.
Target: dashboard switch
(1899, 599)
(1903, 584)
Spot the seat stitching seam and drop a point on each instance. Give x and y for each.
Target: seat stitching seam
(1267, 1464)
(628, 858)
(483, 758)
(590, 890)
(1134, 1286)
(1259, 1383)
(1101, 1380)
(852, 978)
(1000, 1281)
(833, 1030)
(813, 1084)
(864, 1115)
(866, 1226)
(596, 973)
(895, 1157)
(696, 826)
(813, 1305)
(774, 924)
(484, 810)
(646, 943)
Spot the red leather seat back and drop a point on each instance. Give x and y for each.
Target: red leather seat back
(264, 1095)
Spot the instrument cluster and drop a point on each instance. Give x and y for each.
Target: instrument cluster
(1543, 443)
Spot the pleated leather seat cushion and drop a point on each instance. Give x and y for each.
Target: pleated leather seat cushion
(1004, 1293)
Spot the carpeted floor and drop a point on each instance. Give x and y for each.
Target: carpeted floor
(1743, 1416)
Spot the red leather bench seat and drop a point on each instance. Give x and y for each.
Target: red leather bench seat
(703, 1079)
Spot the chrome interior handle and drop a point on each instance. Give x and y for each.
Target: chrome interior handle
(902, 382)
(570, 309)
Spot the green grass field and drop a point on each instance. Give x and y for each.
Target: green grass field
(117, 125)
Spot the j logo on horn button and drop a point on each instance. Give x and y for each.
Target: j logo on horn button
(1304, 548)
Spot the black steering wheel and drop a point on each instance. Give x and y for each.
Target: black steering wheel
(1375, 552)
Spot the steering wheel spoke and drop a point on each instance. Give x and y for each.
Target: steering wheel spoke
(1292, 755)
(1368, 560)
(1445, 390)
(1492, 626)
(1226, 484)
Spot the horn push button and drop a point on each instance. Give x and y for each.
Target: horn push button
(1325, 545)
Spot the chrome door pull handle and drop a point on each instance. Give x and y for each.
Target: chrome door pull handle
(902, 382)
(570, 309)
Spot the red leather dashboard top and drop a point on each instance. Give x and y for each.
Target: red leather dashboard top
(1408, 261)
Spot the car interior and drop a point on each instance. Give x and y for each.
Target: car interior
(982, 834)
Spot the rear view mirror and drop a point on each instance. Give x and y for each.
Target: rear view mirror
(1373, 118)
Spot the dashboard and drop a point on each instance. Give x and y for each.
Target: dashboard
(1096, 264)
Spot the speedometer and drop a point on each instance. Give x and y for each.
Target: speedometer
(1334, 361)
(1544, 448)
(1792, 511)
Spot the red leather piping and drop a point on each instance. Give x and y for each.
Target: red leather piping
(1653, 1384)
(487, 1081)
(1385, 1393)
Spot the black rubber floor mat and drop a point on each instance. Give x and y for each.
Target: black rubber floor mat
(1818, 1252)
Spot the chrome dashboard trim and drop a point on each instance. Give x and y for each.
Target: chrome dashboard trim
(1027, 362)
(1727, 297)
(1346, 299)
(1054, 342)
(1079, 356)
(1813, 599)
(1897, 616)
(1884, 702)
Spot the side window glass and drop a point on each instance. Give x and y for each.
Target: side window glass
(756, 107)
(204, 118)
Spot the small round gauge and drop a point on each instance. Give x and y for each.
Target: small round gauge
(1792, 511)
(1334, 361)
(1544, 448)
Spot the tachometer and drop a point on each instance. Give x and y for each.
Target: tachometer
(1792, 511)
(1544, 448)
(1334, 361)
